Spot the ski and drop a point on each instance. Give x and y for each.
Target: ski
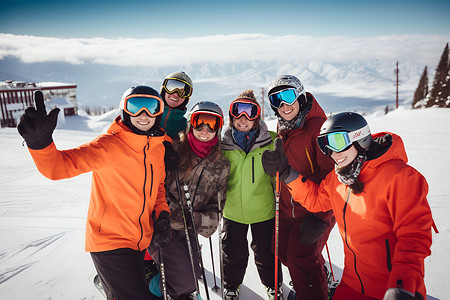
(99, 286)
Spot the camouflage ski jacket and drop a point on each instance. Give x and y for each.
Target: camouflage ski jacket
(206, 184)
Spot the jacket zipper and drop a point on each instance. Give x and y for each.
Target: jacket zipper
(143, 190)
(312, 170)
(253, 169)
(388, 255)
(346, 241)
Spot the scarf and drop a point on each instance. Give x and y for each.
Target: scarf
(244, 139)
(349, 174)
(202, 149)
(297, 122)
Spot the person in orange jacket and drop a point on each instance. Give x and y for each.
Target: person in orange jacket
(380, 206)
(127, 192)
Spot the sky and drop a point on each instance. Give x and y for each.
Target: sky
(179, 19)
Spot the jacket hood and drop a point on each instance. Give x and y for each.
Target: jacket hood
(386, 146)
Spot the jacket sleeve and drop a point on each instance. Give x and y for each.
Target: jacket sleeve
(60, 164)
(161, 203)
(310, 195)
(207, 220)
(412, 220)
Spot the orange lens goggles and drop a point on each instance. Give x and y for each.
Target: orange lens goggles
(212, 121)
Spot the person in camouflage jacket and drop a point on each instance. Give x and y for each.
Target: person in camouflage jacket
(204, 170)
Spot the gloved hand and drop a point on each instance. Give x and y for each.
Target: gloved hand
(170, 157)
(35, 126)
(275, 160)
(401, 294)
(311, 229)
(162, 233)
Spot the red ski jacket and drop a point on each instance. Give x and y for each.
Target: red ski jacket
(386, 229)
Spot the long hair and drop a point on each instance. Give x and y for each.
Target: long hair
(188, 157)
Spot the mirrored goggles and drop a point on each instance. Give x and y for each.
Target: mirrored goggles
(135, 104)
(183, 88)
(288, 96)
(340, 141)
(212, 121)
(244, 107)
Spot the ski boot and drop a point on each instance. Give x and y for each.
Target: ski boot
(231, 293)
(271, 293)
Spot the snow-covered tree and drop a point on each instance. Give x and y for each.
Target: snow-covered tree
(421, 91)
(437, 95)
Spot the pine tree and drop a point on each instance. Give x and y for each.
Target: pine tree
(446, 90)
(421, 91)
(437, 97)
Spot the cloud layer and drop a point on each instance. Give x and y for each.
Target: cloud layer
(158, 52)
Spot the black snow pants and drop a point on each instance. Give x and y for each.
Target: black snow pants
(122, 273)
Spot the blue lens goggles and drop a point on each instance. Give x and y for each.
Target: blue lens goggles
(135, 104)
(288, 96)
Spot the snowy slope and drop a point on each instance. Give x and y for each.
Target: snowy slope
(42, 222)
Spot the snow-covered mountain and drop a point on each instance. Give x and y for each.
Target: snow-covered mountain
(353, 85)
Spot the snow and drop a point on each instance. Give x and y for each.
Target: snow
(42, 221)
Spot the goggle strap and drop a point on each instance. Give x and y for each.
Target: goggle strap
(358, 134)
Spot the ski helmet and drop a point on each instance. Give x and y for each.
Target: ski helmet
(355, 127)
(288, 81)
(136, 90)
(209, 108)
(180, 76)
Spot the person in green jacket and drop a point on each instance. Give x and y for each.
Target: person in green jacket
(250, 198)
(176, 90)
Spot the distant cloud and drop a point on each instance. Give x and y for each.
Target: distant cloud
(158, 52)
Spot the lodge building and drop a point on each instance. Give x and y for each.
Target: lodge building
(16, 96)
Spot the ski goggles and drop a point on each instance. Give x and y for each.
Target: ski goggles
(288, 96)
(212, 121)
(135, 104)
(341, 140)
(183, 88)
(244, 107)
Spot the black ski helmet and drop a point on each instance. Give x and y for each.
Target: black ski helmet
(207, 107)
(349, 122)
(179, 76)
(143, 90)
(288, 81)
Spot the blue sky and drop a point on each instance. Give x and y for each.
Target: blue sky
(179, 19)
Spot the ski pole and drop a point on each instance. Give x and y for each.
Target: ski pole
(219, 206)
(200, 259)
(329, 259)
(163, 274)
(215, 288)
(186, 232)
(277, 221)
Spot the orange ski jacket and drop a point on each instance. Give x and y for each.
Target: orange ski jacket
(127, 184)
(386, 229)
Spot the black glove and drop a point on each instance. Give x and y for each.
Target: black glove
(275, 160)
(35, 126)
(170, 157)
(162, 233)
(400, 294)
(311, 229)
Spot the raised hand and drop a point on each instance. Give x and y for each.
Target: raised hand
(35, 126)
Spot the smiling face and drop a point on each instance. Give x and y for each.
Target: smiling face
(243, 124)
(344, 158)
(203, 134)
(173, 100)
(289, 112)
(143, 121)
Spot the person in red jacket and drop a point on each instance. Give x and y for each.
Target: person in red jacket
(128, 204)
(302, 234)
(380, 205)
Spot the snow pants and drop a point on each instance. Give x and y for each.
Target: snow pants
(235, 252)
(177, 264)
(122, 273)
(305, 262)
